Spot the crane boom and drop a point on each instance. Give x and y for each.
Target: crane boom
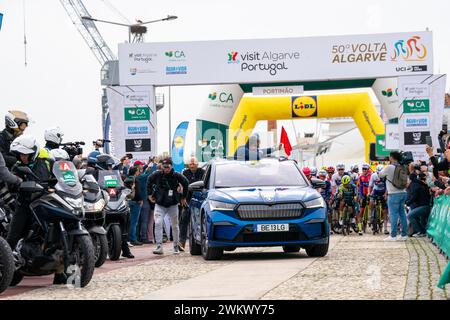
(76, 10)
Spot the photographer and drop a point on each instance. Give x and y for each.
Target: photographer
(441, 170)
(418, 200)
(396, 180)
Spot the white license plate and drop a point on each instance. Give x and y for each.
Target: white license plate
(275, 227)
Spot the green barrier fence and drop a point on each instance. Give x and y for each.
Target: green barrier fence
(439, 230)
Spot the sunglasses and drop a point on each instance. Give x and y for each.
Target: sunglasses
(166, 166)
(340, 169)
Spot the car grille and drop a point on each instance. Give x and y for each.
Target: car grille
(270, 211)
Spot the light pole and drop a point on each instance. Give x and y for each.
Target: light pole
(137, 29)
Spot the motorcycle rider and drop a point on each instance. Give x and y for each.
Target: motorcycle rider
(26, 148)
(15, 124)
(5, 175)
(53, 139)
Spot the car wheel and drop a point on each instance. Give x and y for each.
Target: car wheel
(317, 250)
(194, 248)
(291, 249)
(209, 253)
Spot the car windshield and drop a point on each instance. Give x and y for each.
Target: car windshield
(258, 174)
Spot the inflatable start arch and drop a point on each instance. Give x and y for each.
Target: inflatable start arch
(359, 106)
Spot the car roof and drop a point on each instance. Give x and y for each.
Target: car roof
(221, 161)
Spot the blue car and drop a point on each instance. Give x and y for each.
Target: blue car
(257, 203)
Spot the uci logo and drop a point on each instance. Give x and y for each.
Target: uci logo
(305, 106)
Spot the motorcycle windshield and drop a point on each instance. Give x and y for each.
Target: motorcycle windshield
(110, 179)
(67, 176)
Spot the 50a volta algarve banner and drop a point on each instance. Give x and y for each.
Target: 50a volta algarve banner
(268, 60)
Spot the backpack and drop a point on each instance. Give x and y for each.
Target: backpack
(400, 178)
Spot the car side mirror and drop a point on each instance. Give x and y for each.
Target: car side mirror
(30, 187)
(197, 186)
(317, 183)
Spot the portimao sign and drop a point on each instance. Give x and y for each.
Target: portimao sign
(276, 60)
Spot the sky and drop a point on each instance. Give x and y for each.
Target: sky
(60, 86)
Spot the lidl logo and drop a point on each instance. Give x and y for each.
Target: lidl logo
(304, 106)
(178, 142)
(409, 50)
(232, 57)
(138, 113)
(212, 96)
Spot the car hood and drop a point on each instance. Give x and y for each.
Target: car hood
(264, 194)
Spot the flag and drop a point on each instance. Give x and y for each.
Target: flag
(284, 139)
(1, 19)
(178, 146)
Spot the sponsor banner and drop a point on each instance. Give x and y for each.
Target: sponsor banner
(416, 106)
(416, 137)
(392, 136)
(135, 129)
(380, 146)
(417, 122)
(281, 90)
(136, 113)
(178, 144)
(386, 90)
(138, 145)
(304, 106)
(131, 128)
(211, 140)
(131, 98)
(416, 90)
(220, 103)
(276, 60)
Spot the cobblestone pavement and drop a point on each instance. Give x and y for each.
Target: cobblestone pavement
(355, 268)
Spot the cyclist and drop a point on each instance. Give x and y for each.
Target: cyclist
(335, 183)
(354, 174)
(326, 192)
(330, 172)
(313, 172)
(307, 173)
(363, 187)
(347, 193)
(378, 191)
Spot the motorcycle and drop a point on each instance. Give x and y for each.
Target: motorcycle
(117, 211)
(95, 201)
(6, 259)
(56, 242)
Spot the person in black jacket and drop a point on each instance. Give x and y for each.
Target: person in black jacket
(418, 200)
(135, 204)
(15, 124)
(167, 189)
(192, 174)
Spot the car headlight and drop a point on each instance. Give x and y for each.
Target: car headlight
(315, 203)
(74, 202)
(94, 207)
(222, 206)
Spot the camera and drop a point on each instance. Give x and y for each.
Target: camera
(73, 149)
(406, 157)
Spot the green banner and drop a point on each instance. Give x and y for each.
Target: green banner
(211, 140)
(439, 230)
(416, 106)
(137, 113)
(380, 146)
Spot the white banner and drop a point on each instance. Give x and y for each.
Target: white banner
(279, 90)
(133, 121)
(392, 136)
(386, 91)
(276, 60)
(421, 101)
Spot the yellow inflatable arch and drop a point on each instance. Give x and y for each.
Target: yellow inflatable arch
(356, 105)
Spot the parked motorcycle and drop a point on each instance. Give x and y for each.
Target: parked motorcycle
(55, 240)
(117, 210)
(95, 201)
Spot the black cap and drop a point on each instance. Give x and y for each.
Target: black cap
(167, 161)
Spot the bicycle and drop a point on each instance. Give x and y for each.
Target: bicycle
(365, 216)
(348, 221)
(377, 214)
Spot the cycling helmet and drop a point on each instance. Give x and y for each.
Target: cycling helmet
(314, 171)
(330, 170)
(322, 173)
(365, 166)
(25, 144)
(345, 179)
(306, 171)
(340, 166)
(13, 121)
(105, 161)
(354, 168)
(54, 135)
(92, 157)
(380, 167)
(59, 154)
